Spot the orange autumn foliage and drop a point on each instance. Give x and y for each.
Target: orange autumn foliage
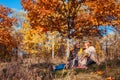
(75, 18)
(107, 14)
(6, 21)
(6, 25)
(55, 15)
(7, 41)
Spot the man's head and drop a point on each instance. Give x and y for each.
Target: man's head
(77, 45)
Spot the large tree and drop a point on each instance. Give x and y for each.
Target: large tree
(67, 17)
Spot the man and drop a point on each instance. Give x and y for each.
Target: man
(73, 57)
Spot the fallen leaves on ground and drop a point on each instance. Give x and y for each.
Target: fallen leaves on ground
(100, 72)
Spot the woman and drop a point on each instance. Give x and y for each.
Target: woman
(90, 53)
(82, 57)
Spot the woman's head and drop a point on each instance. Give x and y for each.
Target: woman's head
(87, 44)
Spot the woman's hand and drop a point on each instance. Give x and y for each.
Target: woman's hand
(85, 54)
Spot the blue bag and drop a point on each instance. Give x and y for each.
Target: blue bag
(59, 67)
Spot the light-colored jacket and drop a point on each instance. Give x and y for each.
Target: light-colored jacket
(92, 54)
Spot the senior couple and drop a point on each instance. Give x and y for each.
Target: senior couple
(82, 57)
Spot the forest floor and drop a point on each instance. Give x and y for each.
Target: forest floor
(32, 69)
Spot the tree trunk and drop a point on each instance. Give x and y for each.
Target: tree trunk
(68, 48)
(53, 50)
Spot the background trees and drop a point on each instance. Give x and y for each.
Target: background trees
(7, 41)
(70, 19)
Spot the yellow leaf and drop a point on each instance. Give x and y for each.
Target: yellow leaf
(109, 78)
(100, 72)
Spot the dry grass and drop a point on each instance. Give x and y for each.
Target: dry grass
(38, 70)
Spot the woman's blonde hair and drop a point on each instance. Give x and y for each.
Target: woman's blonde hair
(87, 41)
